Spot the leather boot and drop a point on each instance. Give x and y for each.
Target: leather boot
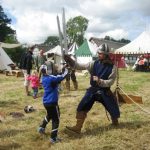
(80, 116)
(27, 91)
(75, 84)
(115, 122)
(68, 85)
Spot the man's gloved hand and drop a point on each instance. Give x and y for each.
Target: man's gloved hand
(95, 78)
(64, 66)
(69, 60)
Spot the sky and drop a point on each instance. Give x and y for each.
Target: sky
(35, 20)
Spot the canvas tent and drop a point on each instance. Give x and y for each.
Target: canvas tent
(86, 52)
(72, 49)
(57, 54)
(56, 50)
(140, 45)
(4, 58)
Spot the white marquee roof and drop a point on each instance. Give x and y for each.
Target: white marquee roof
(140, 45)
(56, 50)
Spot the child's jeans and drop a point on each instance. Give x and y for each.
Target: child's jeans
(35, 91)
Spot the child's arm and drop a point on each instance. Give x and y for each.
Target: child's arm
(65, 73)
(59, 78)
(28, 77)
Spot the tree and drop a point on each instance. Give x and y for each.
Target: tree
(8, 35)
(15, 53)
(76, 28)
(114, 40)
(125, 41)
(107, 38)
(52, 41)
(5, 29)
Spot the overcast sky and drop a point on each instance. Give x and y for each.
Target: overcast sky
(34, 20)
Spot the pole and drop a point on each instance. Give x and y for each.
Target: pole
(117, 80)
(64, 31)
(60, 37)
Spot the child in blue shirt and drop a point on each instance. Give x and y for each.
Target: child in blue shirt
(50, 101)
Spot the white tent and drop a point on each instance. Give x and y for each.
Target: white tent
(57, 55)
(86, 52)
(140, 45)
(72, 49)
(4, 58)
(56, 50)
(7, 45)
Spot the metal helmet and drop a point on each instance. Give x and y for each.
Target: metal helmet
(43, 69)
(103, 48)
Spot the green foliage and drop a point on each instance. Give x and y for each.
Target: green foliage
(7, 35)
(76, 28)
(12, 39)
(125, 41)
(5, 29)
(15, 53)
(52, 41)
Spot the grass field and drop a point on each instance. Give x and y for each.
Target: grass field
(133, 133)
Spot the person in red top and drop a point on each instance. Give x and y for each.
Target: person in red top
(34, 82)
(141, 63)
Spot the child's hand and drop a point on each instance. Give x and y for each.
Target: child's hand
(65, 72)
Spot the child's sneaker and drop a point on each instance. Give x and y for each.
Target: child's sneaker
(41, 130)
(55, 140)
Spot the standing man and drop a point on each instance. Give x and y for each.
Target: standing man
(103, 74)
(40, 60)
(26, 66)
(71, 76)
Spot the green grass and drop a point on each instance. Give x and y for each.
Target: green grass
(133, 132)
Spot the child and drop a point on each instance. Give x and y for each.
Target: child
(50, 101)
(34, 82)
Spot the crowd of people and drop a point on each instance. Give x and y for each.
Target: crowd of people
(102, 76)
